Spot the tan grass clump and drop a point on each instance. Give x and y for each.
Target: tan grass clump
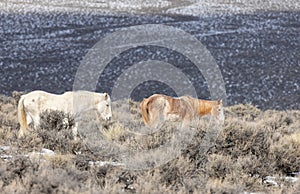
(114, 132)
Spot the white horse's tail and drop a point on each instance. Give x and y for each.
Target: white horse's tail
(22, 117)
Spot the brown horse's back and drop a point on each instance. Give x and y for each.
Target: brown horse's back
(161, 107)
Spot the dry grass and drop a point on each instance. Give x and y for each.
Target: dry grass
(252, 145)
(115, 131)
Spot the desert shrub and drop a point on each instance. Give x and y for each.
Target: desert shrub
(60, 160)
(55, 132)
(246, 112)
(254, 140)
(18, 166)
(287, 153)
(57, 121)
(219, 186)
(8, 118)
(252, 145)
(218, 166)
(238, 138)
(47, 179)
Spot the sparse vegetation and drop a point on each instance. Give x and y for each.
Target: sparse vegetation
(252, 145)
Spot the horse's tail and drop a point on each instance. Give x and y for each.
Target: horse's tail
(22, 117)
(145, 110)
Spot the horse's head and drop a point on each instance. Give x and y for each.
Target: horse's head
(218, 111)
(104, 107)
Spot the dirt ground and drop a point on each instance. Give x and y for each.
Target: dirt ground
(255, 151)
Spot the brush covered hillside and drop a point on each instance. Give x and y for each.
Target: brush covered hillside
(255, 151)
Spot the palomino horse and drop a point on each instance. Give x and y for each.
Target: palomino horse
(32, 104)
(165, 108)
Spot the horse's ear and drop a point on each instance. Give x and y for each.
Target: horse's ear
(105, 96)
(220, 101)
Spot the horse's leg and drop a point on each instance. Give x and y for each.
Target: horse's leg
(75, 131)
(29, 120)
(21, 132)
(36, 121)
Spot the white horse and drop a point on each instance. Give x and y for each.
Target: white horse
(31, 105)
